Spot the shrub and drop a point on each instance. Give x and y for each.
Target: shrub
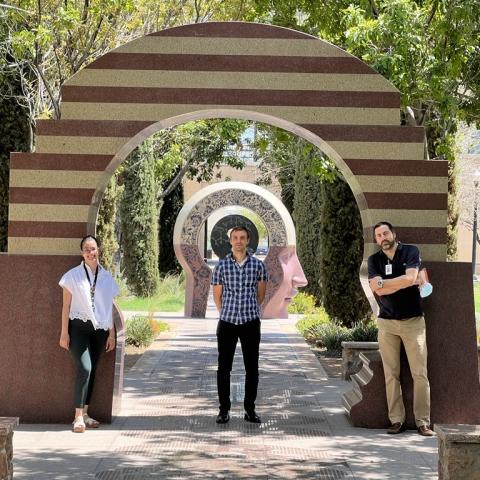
(139, 332)
(364, 332)
(310, 326)
(333, 336)
(302, 303)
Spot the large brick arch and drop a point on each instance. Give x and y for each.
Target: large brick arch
(239, 70)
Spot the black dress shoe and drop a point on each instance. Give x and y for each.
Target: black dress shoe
(252, 417)
(223, 417)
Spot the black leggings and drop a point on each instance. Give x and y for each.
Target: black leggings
(86, 346)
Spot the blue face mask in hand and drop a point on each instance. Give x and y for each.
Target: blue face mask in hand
(426, 289)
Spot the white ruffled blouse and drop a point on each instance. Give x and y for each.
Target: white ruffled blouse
(77, 283)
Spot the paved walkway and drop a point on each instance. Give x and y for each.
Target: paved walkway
(167, 428)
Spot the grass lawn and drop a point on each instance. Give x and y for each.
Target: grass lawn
(170, 298)
(159, 303)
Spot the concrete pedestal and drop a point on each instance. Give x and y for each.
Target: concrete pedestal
(6, 447)
(452, 358)
(458, 452)
(36, 375)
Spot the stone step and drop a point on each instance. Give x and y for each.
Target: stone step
(351, 398)
(361, 378)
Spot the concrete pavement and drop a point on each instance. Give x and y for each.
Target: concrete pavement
(167, 428)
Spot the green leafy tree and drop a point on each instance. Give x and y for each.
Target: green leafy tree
(275, 151)
(139, 222)
(341, 241)
(196, 150)
(429, 49)
(50, 40)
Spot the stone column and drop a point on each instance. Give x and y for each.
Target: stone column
(458, 452)
(7, 425)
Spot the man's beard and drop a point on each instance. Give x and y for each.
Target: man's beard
(386, 245)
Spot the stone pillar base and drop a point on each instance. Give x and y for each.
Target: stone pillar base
(458, 452)
(7, 424)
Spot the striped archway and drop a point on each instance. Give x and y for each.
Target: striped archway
(236, 70)
(232, 69)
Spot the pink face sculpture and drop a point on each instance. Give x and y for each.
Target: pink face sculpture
(285, 276)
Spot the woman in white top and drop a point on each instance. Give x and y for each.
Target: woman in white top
(87, 323)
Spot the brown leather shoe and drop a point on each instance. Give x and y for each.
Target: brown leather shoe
(425, 431)
(397, 427)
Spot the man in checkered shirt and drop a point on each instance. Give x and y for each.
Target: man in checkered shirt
(239, 283)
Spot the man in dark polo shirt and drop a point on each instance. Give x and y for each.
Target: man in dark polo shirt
(393, 276)
(239, 285)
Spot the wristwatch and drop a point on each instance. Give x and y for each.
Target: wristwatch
(380, 283)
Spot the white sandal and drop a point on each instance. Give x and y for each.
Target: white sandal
(90, 422)
(78, 424)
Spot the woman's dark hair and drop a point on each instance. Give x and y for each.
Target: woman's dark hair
(88, 237)
(387, 224)
(240, 228)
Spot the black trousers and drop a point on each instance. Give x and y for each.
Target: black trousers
(227, 336)
(86, 346)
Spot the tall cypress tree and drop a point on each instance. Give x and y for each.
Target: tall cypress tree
(171, 206)
(139, 222)
(308, 220)
(342, 250)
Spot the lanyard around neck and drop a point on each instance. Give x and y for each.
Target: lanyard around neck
(92, 286)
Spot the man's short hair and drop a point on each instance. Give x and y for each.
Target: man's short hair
(380, 224)
(240, 228)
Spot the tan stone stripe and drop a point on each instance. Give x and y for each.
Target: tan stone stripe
(82, 145)
(428, 252)
(48, 213)
(111, 145)
(44, 246)
(233, 46)
(405, 218)
(379, 150)
(54, 178)
(300, 115)
(375, 183)
(230, 80)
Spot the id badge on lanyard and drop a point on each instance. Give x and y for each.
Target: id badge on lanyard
(388, 269)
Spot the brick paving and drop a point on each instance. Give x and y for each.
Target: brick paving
(167, 427)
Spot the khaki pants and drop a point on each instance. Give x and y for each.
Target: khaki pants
(391, 334)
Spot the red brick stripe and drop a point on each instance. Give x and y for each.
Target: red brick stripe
(232, 30)
(406, 201)
(52, 196)
(397, 168)
(47, 229)
(230, 63)
(217, 96)
(58, 161)
(416, 235)
(367, 133)
(92, 128)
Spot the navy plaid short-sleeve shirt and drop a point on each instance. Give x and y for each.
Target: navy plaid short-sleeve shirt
(239, 293)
